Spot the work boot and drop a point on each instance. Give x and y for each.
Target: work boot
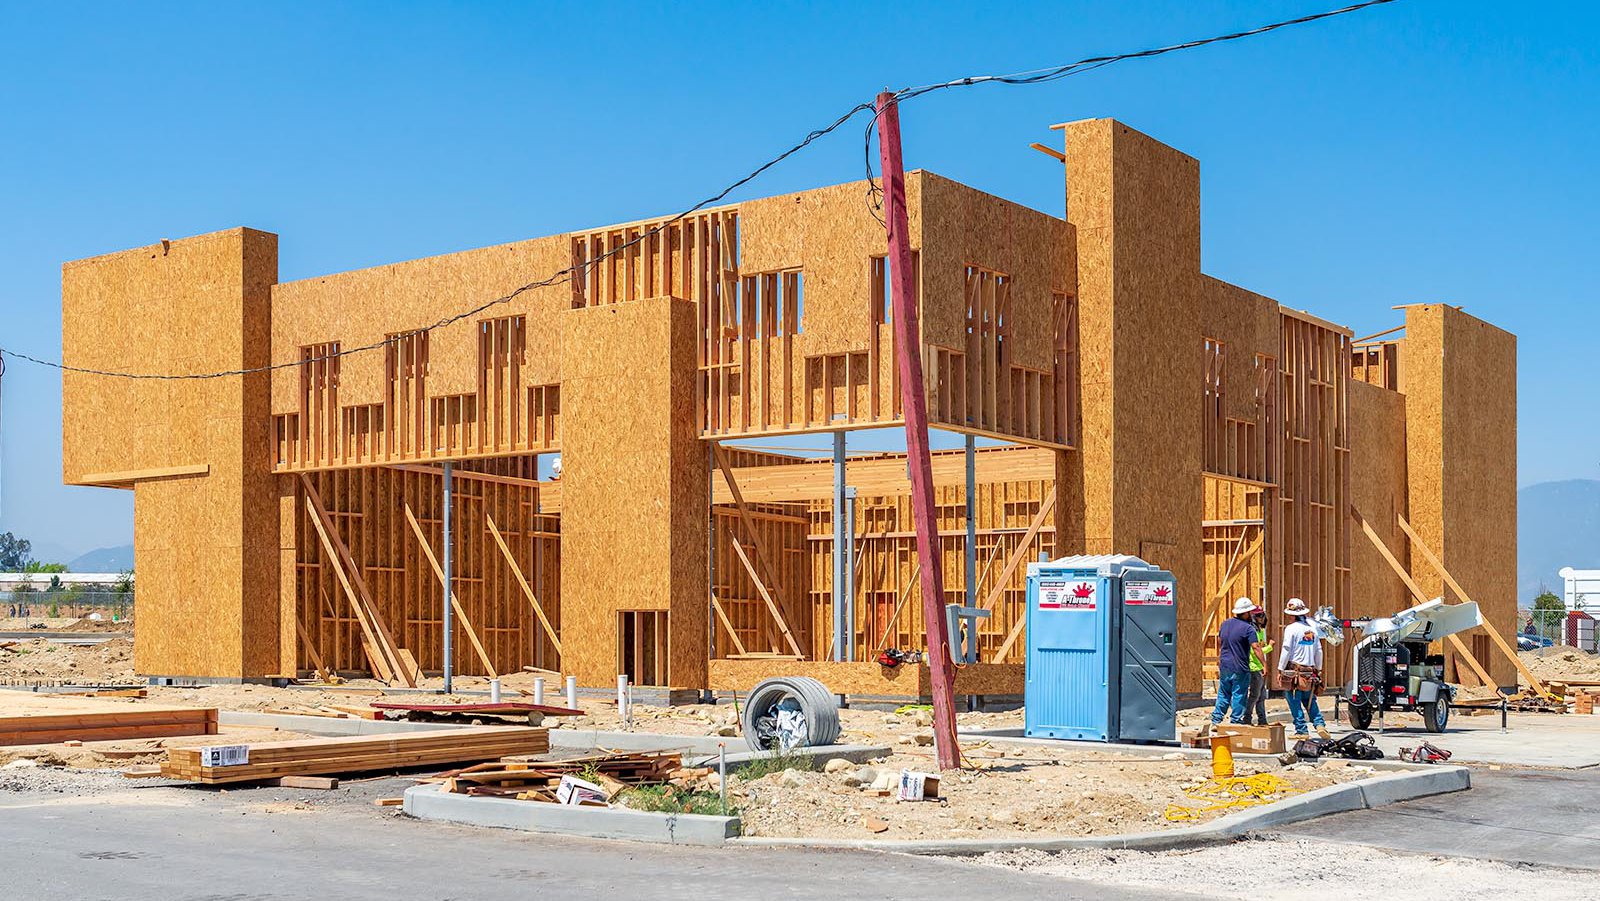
(1322, 732)
(1300, 736)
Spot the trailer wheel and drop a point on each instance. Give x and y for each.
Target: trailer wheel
(1436, 715)
(1361, 716)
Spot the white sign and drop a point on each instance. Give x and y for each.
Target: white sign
(1066, 595)
(225, 755)
(1138, 594)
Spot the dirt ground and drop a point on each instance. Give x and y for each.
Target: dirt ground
(1296, 870)
(41, 661)
(1009, 791)
(1561, 662)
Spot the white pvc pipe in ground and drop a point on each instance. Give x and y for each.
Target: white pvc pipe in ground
(494, 691)
(572, 692)
(538, 690)
(622, 696)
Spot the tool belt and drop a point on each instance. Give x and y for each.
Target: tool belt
(1299, 677)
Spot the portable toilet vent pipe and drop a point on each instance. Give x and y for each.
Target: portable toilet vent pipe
(1102, 650)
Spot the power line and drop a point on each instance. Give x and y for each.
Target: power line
(1055, 73)
(563, 276)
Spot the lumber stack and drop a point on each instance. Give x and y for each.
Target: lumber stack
(42, 719)
(359, 753)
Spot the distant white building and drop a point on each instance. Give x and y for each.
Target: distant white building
(41, 581)
(1581, 589)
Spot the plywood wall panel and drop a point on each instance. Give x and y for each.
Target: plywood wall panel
(634, 485)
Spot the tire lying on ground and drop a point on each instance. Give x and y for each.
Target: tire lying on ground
(790, 712)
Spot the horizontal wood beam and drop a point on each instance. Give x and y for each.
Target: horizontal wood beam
(143, 475)
(806, 480)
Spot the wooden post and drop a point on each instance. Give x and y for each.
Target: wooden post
(908, 354)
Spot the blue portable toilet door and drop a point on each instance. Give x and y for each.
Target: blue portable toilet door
(1147, 705)
(1068, 668)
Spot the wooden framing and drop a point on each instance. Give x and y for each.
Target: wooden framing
(769, 317)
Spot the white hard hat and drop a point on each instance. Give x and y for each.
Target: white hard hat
(1243, 605)
(1296, 607)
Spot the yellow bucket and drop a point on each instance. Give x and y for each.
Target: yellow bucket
(1222, 756)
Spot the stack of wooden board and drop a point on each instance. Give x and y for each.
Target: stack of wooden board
(27, 718)
(358, 753)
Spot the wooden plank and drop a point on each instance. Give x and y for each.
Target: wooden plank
(781, 610)
(139, 475)
(1020, 552)
(1455, 641)
(527, 590)
(380, 646)
(455, 604)
(323, 672)
(1494, 634)
(766, 596)
(727, 625)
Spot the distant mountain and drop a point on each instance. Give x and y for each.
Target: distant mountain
(104, 560)
(1558, 524)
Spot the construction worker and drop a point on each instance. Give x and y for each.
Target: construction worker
(1260, 653)
(1233, 663)
(1300, 669)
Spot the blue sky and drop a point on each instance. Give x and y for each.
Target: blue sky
(1423, 151)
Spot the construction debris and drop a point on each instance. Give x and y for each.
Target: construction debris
(529, 780)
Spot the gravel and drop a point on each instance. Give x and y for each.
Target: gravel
(1297, 869)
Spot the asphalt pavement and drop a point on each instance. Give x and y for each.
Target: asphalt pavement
(165, 844)
(1548, 817)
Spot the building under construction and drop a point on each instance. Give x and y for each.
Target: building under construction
(1124, 401)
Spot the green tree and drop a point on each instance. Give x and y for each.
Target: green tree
(14, 553)
(34, 566)
(1548, 612)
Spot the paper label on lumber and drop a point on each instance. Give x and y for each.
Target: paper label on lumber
(1139, 593)
(225, 755)
(1063, 595)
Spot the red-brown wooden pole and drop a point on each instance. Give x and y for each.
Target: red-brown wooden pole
(908, 354)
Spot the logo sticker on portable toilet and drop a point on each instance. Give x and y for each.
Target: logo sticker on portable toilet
(1081, 597)
(1137, 593)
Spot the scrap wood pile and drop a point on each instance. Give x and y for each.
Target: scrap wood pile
(351, 754)
(597, 779)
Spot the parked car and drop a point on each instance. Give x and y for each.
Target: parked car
(1526, 642)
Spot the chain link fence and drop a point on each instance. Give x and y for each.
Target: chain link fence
(67, 603)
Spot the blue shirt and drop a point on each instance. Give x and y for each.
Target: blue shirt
(1233, 642)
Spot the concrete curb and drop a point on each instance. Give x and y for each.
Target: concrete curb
(430, 802)
(1374, 792)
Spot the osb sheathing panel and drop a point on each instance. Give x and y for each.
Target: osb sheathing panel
(1460, 381)
(634, 485)
(1247, 324)
(1136, 206)
(1378, 489)
(364, 306)
(962, 226)
(832, 233)
(190, 306)
(867, 678)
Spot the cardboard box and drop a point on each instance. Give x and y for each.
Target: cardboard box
(1269, 739)
(918, 786)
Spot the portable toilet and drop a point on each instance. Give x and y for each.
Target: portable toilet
(1102, 650)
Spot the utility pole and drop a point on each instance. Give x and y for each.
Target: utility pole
(908, 354)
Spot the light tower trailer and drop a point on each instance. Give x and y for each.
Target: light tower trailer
(1394, 667)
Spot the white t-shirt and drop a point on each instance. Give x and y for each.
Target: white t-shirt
(1301, 645)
